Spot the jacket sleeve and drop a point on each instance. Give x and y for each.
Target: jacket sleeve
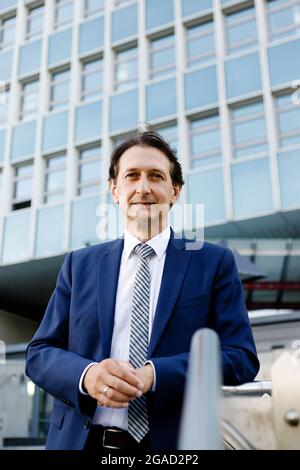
(48, 362)
(230, 320)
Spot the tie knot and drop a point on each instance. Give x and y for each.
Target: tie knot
(144, 251)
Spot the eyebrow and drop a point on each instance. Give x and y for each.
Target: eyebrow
(152, 170)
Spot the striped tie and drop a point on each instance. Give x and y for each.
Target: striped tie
(138, 424)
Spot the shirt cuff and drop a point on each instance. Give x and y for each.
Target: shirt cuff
(154, 375)
(82, 377)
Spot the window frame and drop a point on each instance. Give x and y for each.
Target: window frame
(155, 73)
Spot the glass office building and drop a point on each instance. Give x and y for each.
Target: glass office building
(220, 79)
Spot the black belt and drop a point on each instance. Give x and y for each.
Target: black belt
(114, 438)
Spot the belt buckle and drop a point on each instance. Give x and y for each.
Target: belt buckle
(103, 438)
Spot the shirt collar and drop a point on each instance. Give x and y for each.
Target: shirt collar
(159, 243)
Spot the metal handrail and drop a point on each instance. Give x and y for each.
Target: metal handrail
(250, 389)
(201, 417)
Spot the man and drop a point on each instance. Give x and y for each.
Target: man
(113, 347)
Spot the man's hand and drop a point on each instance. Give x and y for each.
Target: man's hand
(146, 375)
(122, 379)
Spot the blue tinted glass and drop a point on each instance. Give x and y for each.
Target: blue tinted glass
(49, 241)
(202, 45)
(243, 75)
(241, 32)
(16, 237)
(201, 88)
(91, 35)
(7, 3)
(23, 140)
(163, 57)
(124, 110)
(206, 142)
(250, 130)
(89, 121)
(5, 65)
(30, 57)
(124, 23)
(161, 99)
(251, 187)
(207, 187)
(2, 144)
(280, 19)
(55, 130)
(283, 66)
(190, 7)
(84, 222)
(60, 46)
(289, 120)
(289, 171)
(156, 14)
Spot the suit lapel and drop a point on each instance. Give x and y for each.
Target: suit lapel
(176, 263)
(109, 266)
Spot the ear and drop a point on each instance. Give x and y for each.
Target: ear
(176, 193)
(113, 190)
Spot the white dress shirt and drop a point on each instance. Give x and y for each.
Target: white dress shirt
(121, 332)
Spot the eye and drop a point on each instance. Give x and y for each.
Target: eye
(131, 175)
(157, 175)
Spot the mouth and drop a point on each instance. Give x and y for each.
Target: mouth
(143, 203)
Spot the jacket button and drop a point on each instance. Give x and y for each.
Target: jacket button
(87, 424)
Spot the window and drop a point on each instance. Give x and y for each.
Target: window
(63, 12)
(118, 3)
(55, 131)
(124, 22)
(92, 79)
(205, 141)
(93, 6)
(162, 56)
(22, 186)
(89, 173)
(283, 18)
(4, 103)
(156, 15)
(55, 179)
(35, 20)
(7, 31)
(169, 133)
(91, 35)
(60, 45)
(202, 79)
(1, 178)
(29, 99)
(161, 99)
(23, 141)
(88, 125)
(251, 187)
(243, 75)
(126, 63)
(30, 58)
(2, 146)
(123, 110)
(200, 44)
(288, 118)
(189, 7)
(248, 130)
(241, 33)
(59, 95)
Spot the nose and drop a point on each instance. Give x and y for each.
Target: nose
(143, 186)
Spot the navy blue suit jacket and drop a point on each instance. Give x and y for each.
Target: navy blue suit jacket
(199, 289)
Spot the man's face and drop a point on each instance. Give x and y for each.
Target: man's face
(144, 188)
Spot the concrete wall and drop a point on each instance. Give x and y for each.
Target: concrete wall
(15, 329)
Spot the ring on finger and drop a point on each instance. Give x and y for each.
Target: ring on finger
(105, 390)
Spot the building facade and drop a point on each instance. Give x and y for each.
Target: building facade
(220, 79)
